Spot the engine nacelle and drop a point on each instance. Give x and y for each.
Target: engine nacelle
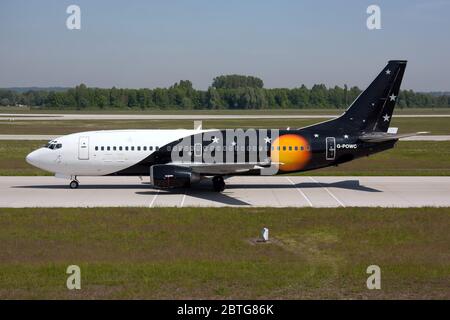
(168, 176)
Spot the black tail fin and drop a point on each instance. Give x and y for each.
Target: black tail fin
(376, 104)
(372, 110)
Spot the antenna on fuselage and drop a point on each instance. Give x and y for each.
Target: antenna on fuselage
(197, 124)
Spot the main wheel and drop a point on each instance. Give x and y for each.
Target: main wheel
(73, 184)
(218, 183)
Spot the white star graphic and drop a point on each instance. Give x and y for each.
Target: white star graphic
(345, 136)
(233, 143)
(386, 117)
(267, 139)
(388, 71)
(215, 140)
(373, 104)
(392, 97)
(316, 135)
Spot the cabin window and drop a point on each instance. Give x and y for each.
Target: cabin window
(290, 148)
(156, 148)
(120, 148)
(295, 148)
(301, 148)
(284, 148)
(108, 148)
(145, 148)
(102, 148)
(96, 148)
(150, 148)
(126, 148)
(138, 148)
(114, 148)
(132, 148)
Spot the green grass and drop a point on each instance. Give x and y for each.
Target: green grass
(427, 158)
(12, 158)
(205, 253)
(61, 127)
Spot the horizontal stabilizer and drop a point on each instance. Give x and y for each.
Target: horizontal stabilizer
(384, 136)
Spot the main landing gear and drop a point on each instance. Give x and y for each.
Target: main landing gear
(218, 183)
(74, 183)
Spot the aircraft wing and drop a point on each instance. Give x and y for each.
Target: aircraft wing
(385, 136)
(224, 168)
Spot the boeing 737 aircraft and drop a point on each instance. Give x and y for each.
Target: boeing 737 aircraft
(180, 158)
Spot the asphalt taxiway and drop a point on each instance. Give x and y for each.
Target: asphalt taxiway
(256, 191)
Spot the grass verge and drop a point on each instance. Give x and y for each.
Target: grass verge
(205, 253)
(314, 111)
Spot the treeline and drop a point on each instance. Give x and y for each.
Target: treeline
(226, 92)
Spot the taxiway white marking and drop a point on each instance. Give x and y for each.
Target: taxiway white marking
(182, 200)
(300, 191)
(154, 198)
(329, 192)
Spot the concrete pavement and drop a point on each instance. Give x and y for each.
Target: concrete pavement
(255, 191)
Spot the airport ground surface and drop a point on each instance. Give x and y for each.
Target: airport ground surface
(257, 191)
(202, 252)
(77, 116)
(205, 253)
(152, 111)
(434, 125)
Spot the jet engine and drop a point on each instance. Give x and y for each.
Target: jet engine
(169, 176)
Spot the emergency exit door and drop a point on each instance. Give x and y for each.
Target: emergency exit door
(330, 148)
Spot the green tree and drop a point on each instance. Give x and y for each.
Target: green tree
(235, 81)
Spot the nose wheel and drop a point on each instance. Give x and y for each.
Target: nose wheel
(73, 184)
(218, 183)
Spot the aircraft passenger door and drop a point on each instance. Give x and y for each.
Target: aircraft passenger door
(83, 148)
(330, 148)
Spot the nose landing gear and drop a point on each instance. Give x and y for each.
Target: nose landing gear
(74, 183)
(218, 183)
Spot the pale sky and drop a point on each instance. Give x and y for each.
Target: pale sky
(286, 43)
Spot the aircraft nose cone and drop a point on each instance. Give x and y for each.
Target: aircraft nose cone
(32, 158)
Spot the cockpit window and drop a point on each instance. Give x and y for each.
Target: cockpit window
(53, 145)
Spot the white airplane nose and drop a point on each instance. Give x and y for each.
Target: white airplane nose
(32, 158)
